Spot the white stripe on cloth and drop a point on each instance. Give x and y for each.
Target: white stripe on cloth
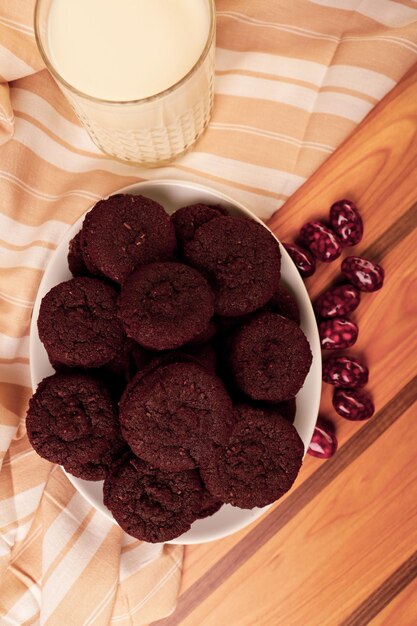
(6, 435)
(360, 79)
(12, 536)
(11, 67)
(341, 105)
(52, 152)
(70, 568)
(20, 505)
(266, 63)
(25, 101)
(63, 526)
(12, 347)
(385, 12)
(21, 28)
(255, 176)
(25, 608)
(35, 257)
(18, 234)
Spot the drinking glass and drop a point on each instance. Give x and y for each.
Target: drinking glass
(150, 131)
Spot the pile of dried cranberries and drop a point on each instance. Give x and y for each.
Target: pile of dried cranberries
(320, 241)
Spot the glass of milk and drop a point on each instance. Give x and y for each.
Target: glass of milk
(138, 73)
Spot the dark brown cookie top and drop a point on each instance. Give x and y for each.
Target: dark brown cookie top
(78, 323)
(174, 416)
(259, 463)
(284, 303)
(165, 305)
(123, 232)
(189, 218)
(72, 421)
(241, 260)
(76, 264)
(270, 358)
(150, 504)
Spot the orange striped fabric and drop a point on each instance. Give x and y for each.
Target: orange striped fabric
(292, 81)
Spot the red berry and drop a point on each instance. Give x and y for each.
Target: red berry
(346, 222)
(353, 404)
(323, 443)
(302, 259)
(338, 333)
(322, 241)
(364, 274)
(337, 302)
(343, 371)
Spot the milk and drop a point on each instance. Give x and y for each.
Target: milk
(122, 50)
(114, 61)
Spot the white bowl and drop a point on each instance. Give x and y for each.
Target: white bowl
(172, 195)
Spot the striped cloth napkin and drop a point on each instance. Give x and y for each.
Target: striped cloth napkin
(293, 79)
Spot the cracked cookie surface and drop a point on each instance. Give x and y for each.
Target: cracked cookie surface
(260, 461)
(165, 305)
(78, 323)
(175, 415)
(123, 232)
(72, 421)
(240, 259)
(151, 504)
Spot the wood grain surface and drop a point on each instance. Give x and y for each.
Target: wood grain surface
(341, 547)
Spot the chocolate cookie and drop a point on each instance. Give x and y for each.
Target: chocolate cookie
(287, 409)
(284, 303)
(123, 232)
(189, 218)
(76, 264)
(241, 260)
(165, 305)
(209, 505)
(270, 358)
(260, 462)
(206, 334)
(174, 416)
(72, 421)
(78, 323)
(150, 504)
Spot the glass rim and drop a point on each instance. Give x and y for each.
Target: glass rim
(156, 96)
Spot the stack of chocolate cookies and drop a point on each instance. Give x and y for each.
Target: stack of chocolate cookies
(178, 356)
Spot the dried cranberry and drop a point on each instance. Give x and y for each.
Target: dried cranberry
(323, 443)
(364, 274)
(353, 404)
(302, 259)
(322, 241)
(338, 333)
(346, 222)
(343, 371)
(337, 302)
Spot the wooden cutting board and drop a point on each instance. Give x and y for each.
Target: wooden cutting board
(341, 547)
